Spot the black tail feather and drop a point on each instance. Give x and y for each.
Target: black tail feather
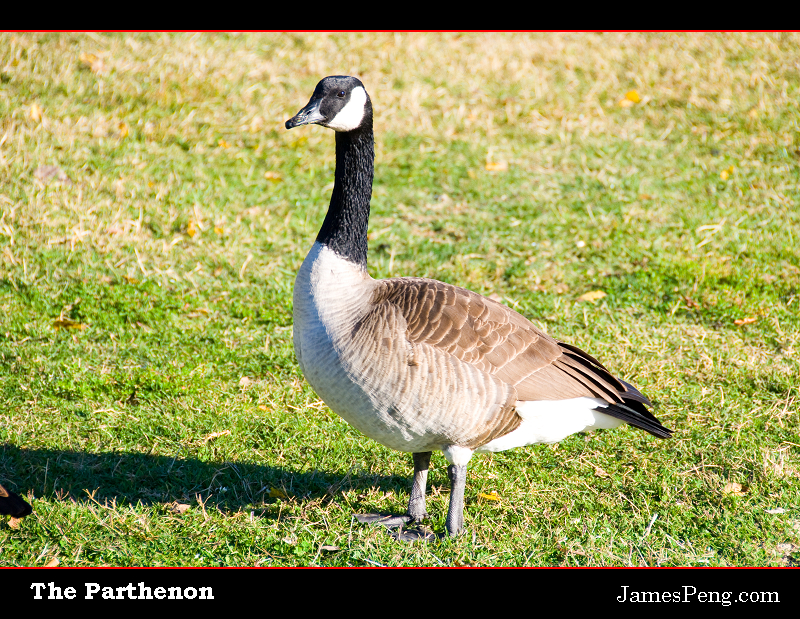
(634, 413)
(632, 393)
(625, 401)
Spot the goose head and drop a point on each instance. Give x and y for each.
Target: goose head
(339, 102)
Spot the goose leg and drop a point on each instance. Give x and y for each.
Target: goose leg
(416, 504)
(455, 513)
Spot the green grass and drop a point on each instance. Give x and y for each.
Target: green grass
(171, 424)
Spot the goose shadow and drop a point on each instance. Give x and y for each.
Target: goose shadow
(132, 478)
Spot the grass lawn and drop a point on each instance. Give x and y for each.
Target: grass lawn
(154, 212)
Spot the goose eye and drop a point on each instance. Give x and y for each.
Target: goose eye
(340, 94)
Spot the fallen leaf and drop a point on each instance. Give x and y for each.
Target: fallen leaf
(14, 523)
(67, 323)
(726, 173)
(492, 496)
(53, 562)
(201, 311)
(599, 472)
(179, 508)
(91, 61)
(244, 382)
(745, 321)
(123, 130)
(277, 493)
(46, 173)
(734, 489)
(633, 96)
(497, 166)
(191, 230)
(594, 295)
(36, 112)
(214, 435)
(273, 176)
(223, 144)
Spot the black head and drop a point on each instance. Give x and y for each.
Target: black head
(339, 102)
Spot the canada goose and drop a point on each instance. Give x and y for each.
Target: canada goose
(420, 365)
(12, 504)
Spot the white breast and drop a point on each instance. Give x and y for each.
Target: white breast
(331, 294)
(362, 370)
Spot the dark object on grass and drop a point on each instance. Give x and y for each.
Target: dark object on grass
(12, 504)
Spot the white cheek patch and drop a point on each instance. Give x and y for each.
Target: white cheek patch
(351, 114)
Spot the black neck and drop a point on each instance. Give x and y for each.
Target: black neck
(345, 227)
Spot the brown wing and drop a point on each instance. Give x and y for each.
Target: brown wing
(426, 391)
(505, 344)
(497, 340)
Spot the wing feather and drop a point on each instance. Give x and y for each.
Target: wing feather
(501, 342)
